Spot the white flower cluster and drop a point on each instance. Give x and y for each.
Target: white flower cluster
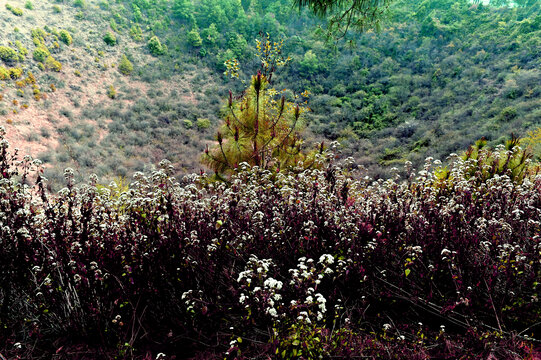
(267, 293)
(414, 251)
(308, 275)
(254, 268)
(271, 283)
(191, 299)
(326, 259)
(305, 270)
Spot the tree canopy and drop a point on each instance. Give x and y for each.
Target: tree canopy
(343, 15)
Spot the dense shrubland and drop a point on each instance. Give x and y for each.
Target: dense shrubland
(445, 263)
(396, 91)
(413, 90)
(280, 261)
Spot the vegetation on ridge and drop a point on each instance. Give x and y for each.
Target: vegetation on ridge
(297, 254)
(293, 264)
(438, 76)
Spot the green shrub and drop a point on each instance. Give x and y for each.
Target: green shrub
(125, 66)
(38, 36)
(136, 33)
(111, 92)
(22, 50)
(508, 113)
(41, 53)
(110, 38)
(66, 37)
(113, 25)
(57, 9)
(104, 5)
(203, 124)
(14, 10)
(187, 124)
(194, 38)
(79, 3)
(29, 5)
(52, 64)
(4, 73)
(48, 30)
(155, 46)
(8, 54)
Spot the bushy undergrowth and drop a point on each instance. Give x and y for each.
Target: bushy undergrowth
(305, 264)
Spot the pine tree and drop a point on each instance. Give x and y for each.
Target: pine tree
(125, 66)
(194, 38)
(260, 127)
(342, 15)
(259, 130)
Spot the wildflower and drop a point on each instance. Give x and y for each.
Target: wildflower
(273, 284)
(326, 259)
(272, 312)
(445, 252)
(242, 298)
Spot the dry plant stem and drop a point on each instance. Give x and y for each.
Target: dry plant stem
(493, 307)
(438, 311)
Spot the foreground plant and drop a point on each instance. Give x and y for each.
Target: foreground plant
(308, 263)
(261, 127)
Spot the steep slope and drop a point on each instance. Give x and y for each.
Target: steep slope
(439, 75)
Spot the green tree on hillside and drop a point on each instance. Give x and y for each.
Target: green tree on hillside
(183, 9)
(155, 46)
(343, 15)
(261, 128)
(194, 38)
(258, 130)
(237, 44)
(212, 11)
(125, 66)
(210, 35)
(109, 38)
(309, 65)
(8, 54)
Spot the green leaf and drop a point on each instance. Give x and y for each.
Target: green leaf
(407, 272)
(295, 342)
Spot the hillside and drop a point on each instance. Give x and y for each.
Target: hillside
(439, 76)
(234, 225)
(300, 264)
